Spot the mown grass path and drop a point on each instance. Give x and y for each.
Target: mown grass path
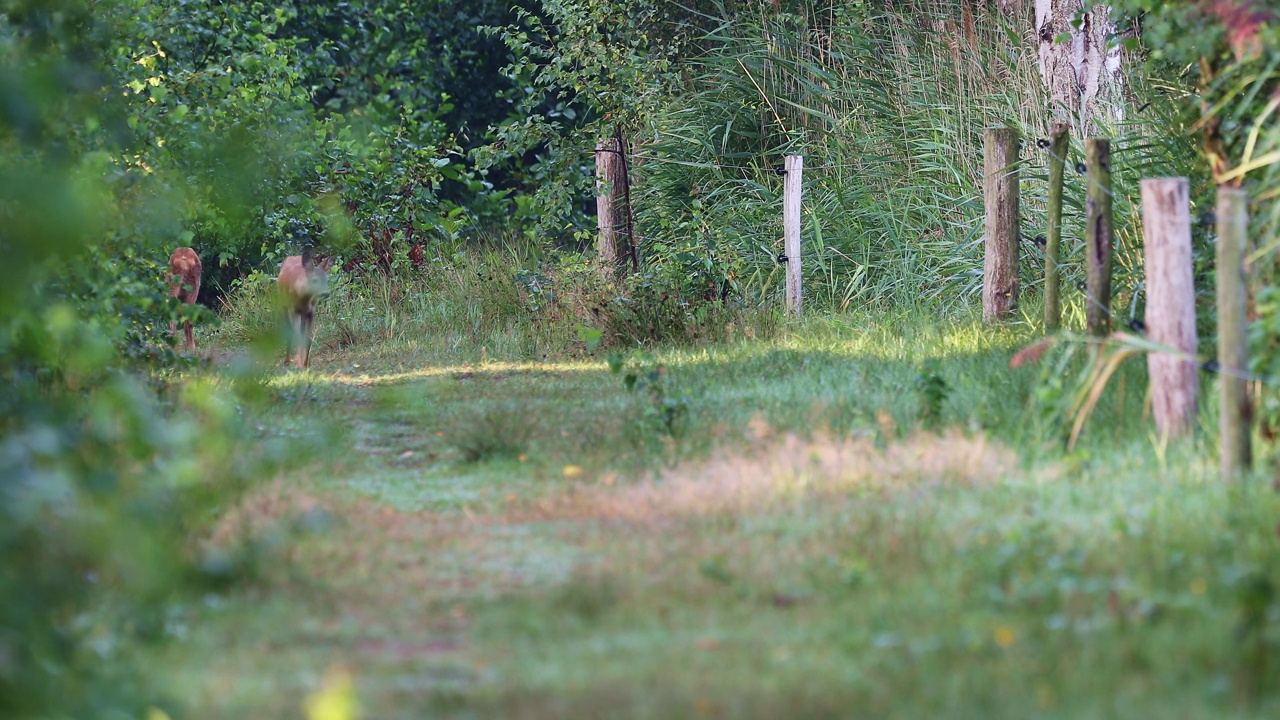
(523, 539)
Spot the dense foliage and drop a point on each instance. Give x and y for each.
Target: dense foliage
(108, 476)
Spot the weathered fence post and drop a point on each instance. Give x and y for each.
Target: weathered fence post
(1171, 304)
(793, 187)
(1000, 195)
(1233, 361)
(1099, 237)
(1058, 143)
(614, 245)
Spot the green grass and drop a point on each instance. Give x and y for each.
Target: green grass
(501, 537)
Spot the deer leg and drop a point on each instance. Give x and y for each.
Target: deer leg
(299, 338)
(173, 327)
(308, 319)
(291, 336)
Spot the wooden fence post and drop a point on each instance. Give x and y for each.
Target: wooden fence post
(793, 188)
(1000, 195)
(1099, 237)
(1171, 304)
(614, 245)
(1233, 361)
(1058, 143)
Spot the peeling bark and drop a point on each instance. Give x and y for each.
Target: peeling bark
(1083, 75)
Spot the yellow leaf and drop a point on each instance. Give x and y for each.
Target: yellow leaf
(335, 700)
(156, 713)
(1270, 158)
(572, 471)
(1005, 637)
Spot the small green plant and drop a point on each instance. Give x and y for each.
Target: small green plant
(591, 337)
(1257, 603)
(1264, 358)
(667, 408)
(587, 596)
(668, 305)
(250, 311)
(933, 391)
(496, 432)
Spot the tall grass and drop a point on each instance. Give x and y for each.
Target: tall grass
(482, 302)
(888, 104)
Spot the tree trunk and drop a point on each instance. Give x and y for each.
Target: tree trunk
(1059, 141)
(1234, 410)
(1000, 196)
(1082, 74)
(613, 214)
(1171, 304)
(1099, 237)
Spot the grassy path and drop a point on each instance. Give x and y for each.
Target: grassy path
(533, 540)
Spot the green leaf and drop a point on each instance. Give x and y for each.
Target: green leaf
(591, 336)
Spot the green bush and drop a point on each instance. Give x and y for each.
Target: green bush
(109, 474)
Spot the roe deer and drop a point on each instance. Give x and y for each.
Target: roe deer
(184, 284)
(301, 281)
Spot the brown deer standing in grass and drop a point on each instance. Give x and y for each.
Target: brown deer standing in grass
(184, 284)
(301, 281)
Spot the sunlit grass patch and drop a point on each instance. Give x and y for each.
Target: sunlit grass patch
(785, 469)
(362, 375)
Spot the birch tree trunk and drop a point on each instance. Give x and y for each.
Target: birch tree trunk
(1082, 74)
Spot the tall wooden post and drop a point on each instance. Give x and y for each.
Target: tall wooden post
(612, 213)
(1171, 304)
(1099, 237)
(793, 188)
(1234, 410)
(1058, 143)
(1000, 195)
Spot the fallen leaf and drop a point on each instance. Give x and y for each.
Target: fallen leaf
(335, 700)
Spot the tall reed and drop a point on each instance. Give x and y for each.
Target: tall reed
(888, 104)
